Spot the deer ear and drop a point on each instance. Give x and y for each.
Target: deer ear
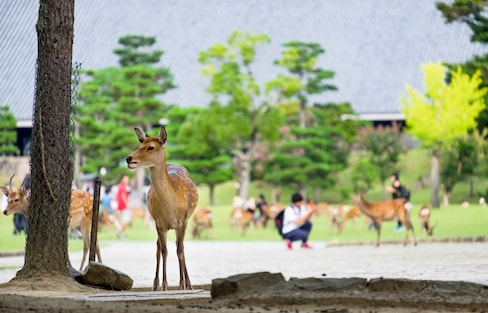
(23, 191)
(162, 136)
(141, 135)
(5, 191)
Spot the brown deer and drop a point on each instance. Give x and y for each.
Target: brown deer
(241, 218)
(352, 214)
(269, 213)
(80, 212)
(386, 211)
(424, 216)
(171, 199)
(202, 221)
(335, 214)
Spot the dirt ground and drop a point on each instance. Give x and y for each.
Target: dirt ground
(44, 295)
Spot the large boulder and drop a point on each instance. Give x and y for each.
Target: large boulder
(100, 275)
(244, 282)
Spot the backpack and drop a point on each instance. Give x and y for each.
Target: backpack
(279, 222)
(405, 193)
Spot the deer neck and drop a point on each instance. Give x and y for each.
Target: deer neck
(161, 180)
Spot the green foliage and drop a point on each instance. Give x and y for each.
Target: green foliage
(364, 174)
(465, 159)
(473, 13)
(314, 154)
(201, 150)
(242, 120)
(447, 111)
(130, 53)
(114, 101)
(8, 132)
(383, 147)
(306, 79)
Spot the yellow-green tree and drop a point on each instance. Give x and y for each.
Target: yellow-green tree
(446, 111)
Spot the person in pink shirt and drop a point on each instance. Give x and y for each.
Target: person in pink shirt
(122, 198)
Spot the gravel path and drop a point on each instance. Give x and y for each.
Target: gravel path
(207, 260)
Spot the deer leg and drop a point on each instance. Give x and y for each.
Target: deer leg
(378, 230)
(413, 233)
(164, 253)
(158, 258)
(86, 244)
(180, 252)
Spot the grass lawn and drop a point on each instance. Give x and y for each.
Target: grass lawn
(452, 221)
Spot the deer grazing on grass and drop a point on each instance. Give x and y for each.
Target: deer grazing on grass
(424, 216)
(171, 199)
(386, 211)
(80, 212)
(202, 222)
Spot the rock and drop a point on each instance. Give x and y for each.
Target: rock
(77, 275)
(328, 284)
(396, 285)
(98, 274)
(244, 282)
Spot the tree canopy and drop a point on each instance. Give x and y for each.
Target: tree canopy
(8, 133)
(446, 112)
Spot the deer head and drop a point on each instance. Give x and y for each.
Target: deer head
(150, 151)
(17, 199)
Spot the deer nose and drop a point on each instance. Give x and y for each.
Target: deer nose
(5, 213)
(128, 159)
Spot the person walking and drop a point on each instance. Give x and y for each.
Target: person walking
(122, 198)
(296, 222)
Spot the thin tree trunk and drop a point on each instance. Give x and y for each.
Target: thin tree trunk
(211, 190)
(51, 166)
(245, 174)
(434, 179)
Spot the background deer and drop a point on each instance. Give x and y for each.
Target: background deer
(241, 219)
(269, 213)
(80, 212)
(171, 199)
(386, 211)
(424, 216)
(202, 222)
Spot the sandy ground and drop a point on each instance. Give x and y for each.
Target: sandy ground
(207, 260)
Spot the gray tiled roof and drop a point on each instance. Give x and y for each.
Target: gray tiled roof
(375, 47)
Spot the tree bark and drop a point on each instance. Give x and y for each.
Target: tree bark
(434, 179)
(51, 165)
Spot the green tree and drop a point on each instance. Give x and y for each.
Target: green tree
(445, 113)
(314, 154)
(473, 13)
(383, 147)
(364, 174)
(243, 118)
(303, 80)
(8, 132)
(201, 151)
(117, 99)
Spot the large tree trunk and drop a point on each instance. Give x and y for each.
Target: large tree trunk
(51, 167)
(434, 179)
